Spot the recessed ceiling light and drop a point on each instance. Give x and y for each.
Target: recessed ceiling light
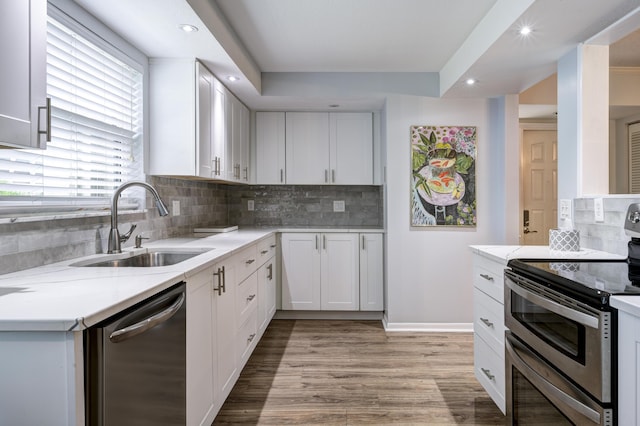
(471, 81)
(188, 28)
(232, 78)
(525, 31)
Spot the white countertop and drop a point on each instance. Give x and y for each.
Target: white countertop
(505, 253)
(61, 297)
(629, 304)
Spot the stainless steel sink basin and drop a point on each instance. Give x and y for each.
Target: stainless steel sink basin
(143, 260)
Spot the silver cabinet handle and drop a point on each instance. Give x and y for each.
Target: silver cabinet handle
(47, 130)
(246, 173)
(333, 176)
(147, 323)
(326, 176)
(487, 373)
(486, 322)
(251, 337)
(270, 274)
(281, 176)
(250, 261)
(251, 297)
(272, 246)
(316, 241)
(221, 284)
(324, 242)
(487, 277)
(264, 252)
(363, 243)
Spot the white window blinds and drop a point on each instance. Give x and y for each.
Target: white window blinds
(96, 129)
(634, 158)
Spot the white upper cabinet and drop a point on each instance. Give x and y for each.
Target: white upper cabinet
(351, 148)
(315, 148)
(270, 148)
(24, 110)
(307, 148)
(193, 131)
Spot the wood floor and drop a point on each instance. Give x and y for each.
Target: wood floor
(351, 372)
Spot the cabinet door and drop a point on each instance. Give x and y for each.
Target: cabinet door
(307, 149)
(226, 327)
(300, 271)
(205, 119)
(371, 272)
(351, 148)
(23, 74)
(266, 293)
(201, 352)
(628, 369)
(220, 125)
(235, 138)
(245, 145)
(270, 153)
(339, 288)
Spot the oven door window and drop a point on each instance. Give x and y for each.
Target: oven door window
(530, 407)
(563, 334)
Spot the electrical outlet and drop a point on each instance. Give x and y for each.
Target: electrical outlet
(338, 206)
(176, 207)
(251, 205)
(565, 210)
(598, 209)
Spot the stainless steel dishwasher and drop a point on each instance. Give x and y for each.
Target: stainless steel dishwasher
(135, 364)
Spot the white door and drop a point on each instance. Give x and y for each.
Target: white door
(539, 186)
(23, 35)
(300, 271)
(270, 143)
(371, 272)
(205, 118)
(307, 148)
(351, 148)
(339, 272)
(226, 327)
(201, 354)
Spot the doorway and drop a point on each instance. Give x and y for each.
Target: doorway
(539, 183)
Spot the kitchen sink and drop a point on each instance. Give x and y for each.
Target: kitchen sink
(148, 259)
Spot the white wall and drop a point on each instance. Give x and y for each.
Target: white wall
(429, 269)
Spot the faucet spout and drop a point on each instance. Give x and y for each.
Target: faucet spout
(114, 235)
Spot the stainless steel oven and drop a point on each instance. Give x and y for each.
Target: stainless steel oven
(569, 334)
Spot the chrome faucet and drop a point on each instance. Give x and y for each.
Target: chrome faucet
(114, 236)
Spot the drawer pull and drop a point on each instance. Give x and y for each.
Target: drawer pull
(250, 261)
(251, 297)
(487, 373)
(264, 252)
(486, 322)
(487, 277)
(253, 336)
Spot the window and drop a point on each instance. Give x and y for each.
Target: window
(97, 122)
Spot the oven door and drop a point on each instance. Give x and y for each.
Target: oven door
(573, 337)
(537, 394)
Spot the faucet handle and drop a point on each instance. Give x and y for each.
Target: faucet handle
(126, 236)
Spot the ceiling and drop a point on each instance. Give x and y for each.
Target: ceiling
(313, 53)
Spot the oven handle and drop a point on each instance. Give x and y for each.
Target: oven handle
(546, 386)
(584, 319)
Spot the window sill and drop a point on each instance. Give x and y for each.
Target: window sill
(50, 216)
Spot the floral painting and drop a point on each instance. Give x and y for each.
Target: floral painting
(443, 182)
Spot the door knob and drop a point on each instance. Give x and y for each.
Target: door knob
(527, 231)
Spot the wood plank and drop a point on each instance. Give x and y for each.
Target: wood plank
(353, 372)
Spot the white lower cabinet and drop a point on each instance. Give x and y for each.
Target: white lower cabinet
(223, 325)
(322, 271)
(488, 327)
(628, 369)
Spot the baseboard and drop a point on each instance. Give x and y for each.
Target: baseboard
(434, 327)
(329, 315)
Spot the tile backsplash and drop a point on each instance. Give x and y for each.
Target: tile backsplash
(26, 244)
(609, 235)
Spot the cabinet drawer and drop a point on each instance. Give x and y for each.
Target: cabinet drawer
(247, 337)
(488, 276)
(490, 370)
(266, 250)
(488, 319)
(247, 262)
(246, 298)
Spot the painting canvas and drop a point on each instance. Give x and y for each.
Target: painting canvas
(443, 182)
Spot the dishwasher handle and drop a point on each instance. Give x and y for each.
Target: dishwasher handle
(147, 323)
